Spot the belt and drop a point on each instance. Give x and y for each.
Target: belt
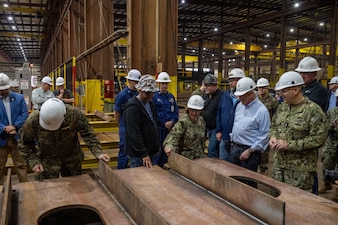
(240, 145)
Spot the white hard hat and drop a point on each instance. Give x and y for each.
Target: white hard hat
(146, 84)
(334, 80)
(134, 75)
(236, 73)
(163, 77)
(195, 102)
(52, 114)
(262, 82)
(308, 64)
(60, 81)
(47, 80)
(4, 82)
(244, 85)
(289, 79)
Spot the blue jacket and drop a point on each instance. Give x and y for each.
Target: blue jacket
(167, 110)
(19, 114)
(225, 116)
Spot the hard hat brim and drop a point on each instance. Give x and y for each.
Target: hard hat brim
(4, 87)
(54, 126)
(307, 71)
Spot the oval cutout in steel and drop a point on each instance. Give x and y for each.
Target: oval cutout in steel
(268, 189)
(71, 215)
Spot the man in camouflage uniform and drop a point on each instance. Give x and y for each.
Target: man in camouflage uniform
(297, 131)
(271, 104)
(187, 137)
(329, 153)
(49, 140)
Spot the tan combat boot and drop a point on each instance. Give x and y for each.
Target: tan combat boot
(325, 187)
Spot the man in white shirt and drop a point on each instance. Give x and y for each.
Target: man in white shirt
(41, 94)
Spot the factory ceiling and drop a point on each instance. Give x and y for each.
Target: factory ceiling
(27, 25)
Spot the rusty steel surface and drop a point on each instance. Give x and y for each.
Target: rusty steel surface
(251, 200)
(36, 198)
(155, 196)
(5, 199)
(301, 207)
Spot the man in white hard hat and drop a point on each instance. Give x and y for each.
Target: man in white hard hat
(298, 130)
(49, 140)
(234, 76)
(249, 135)
(41, 94)
(142, 141)
(313, 89)
(121, 100)
(62, 93)
(271, 104)
(333, 86)
(13, 113)
(167, 113)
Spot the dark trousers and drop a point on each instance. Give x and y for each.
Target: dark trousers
(250, 164)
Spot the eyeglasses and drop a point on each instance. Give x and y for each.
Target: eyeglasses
(149, 93)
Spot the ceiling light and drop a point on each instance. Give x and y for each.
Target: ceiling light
(10, 18)
(183, 1)
(216, 29)
(292, 30)
(321, 24)
(18, 39)
(185, 38)
(6, 5)
(296, 5)
(231, 42)
(265, 46)
(267, 35)
(13, 27)
(305, 39)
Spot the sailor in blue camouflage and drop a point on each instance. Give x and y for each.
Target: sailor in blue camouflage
(297, 131)
(53, 150)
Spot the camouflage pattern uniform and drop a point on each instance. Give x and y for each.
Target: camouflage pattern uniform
(329, 153)
(187, 138)
(304, 128)
(271, 104)
(58, 151)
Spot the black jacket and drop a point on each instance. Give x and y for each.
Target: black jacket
(142, 134)
(209, 112)
(317, 93)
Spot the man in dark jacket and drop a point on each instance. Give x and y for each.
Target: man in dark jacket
(142, 140)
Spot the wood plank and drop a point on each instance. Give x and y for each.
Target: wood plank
(156, 196)
(39, 197)
(301, 207)
(5, 200)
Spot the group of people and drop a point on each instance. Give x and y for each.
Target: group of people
(241, 125)
(46, 139)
